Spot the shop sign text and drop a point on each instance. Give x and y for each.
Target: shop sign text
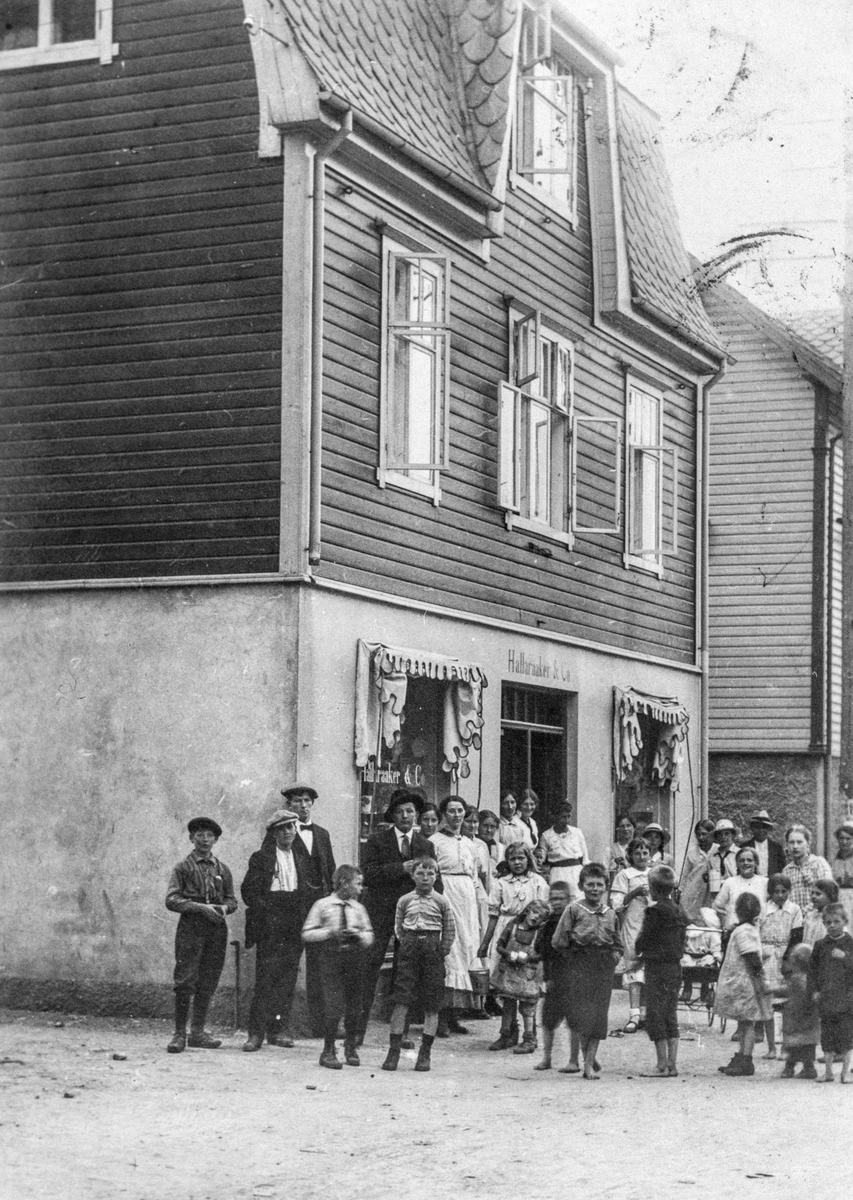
(519, 663)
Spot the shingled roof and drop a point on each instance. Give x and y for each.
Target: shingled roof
(437, 74)
(823, 330)
(661, 276)
(395, 64)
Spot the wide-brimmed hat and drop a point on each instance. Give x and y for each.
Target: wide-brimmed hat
(282, 816)
(402, 796)
(762, 818)
(293, 788)
(204, 823)
(655, 828)
(725, 824)
(845, 827)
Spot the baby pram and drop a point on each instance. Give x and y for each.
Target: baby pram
(700, 964)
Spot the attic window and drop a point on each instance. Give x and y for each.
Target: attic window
(546, 138)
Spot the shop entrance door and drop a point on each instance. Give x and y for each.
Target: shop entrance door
(533, 746)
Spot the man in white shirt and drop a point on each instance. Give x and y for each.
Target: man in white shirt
(275, 894)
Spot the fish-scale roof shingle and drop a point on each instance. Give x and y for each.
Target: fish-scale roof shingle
(823, 329)
(657, 261)
(394, 63)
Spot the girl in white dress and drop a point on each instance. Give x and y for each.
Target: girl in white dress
(629, 899)
(746, 880)
(458, 867)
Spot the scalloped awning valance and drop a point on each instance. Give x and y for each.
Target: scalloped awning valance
(674, 719)
(381, 683)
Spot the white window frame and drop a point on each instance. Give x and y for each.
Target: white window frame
(410, 475)
(539, 65)
(535, 387)
(644, 443)
(101, 47)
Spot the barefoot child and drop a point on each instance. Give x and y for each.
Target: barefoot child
(425, 928)
(780, 927)
(831, 980)
(740, 989)
(589, 931)
(517, 977)
(660, 944)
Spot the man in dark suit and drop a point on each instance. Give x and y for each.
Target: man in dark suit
(313, 849)
(387, 863)
(275, 893)
(771, 854)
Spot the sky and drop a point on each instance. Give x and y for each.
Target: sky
(751, 99)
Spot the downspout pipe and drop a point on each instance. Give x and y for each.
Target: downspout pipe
(829, 661)
(318, 248)
(704, 413)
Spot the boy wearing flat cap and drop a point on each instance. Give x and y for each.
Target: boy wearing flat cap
(276, 896)
(202, 891)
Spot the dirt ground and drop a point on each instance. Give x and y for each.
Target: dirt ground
(77, 1123)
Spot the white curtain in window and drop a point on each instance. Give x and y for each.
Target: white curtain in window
(382, 674)
(628, 738)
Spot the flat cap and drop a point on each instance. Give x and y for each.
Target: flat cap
(293, 788)
(282, 816)
(204, 823)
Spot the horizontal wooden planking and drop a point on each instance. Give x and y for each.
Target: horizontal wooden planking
(141, 331)
(490, 565)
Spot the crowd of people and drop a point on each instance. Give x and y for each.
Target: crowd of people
(466, 895)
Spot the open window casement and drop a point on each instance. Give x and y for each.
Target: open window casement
(415, 433)
(652, 501)
(526, 348)
(536, 34)
(596, 472)
(509, 457)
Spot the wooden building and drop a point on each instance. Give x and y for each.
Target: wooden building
(353, 401)
(775, 565)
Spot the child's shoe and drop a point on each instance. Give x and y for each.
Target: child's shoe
(350, 1055)
(787, 1071)
(808, 1072)
(734, 1062)
(201, 1040)
(505, 1042)
(177, 1044)
(528, 1045)
(423, 1063)
(740, 1065)
(393, 1056)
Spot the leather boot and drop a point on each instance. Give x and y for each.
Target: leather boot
(393, 1055)
(350, 1055)
(329, 1058)
(423, 1063)
(528, 1045)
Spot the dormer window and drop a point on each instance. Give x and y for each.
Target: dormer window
(545, 134)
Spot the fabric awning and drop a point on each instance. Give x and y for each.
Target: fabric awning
(381, 682)
(628, 739)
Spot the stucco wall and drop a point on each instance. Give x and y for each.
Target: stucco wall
(789, 786)
(122, 714)
(332, 623)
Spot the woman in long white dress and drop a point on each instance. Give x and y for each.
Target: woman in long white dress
(746, 880)
(458, 867)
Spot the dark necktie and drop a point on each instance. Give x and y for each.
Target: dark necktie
(405, 846)
(306, 826)
(343, 917)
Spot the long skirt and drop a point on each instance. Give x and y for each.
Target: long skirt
(462, 898)
(590, 983)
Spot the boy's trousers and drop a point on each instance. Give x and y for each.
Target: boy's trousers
(200, 947)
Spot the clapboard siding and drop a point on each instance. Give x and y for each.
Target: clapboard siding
(762, 507)
(141, 307)
(460, 554)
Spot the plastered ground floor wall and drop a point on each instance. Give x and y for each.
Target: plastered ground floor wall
(791, 787)
(124, 712)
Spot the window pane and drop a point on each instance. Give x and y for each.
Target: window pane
(645, 485)
(413, 404)
(540, 461)
(20, 24)
(73, 20)
(417, 292)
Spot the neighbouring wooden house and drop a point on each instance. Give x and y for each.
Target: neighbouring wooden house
(775, 565)
(353, 404)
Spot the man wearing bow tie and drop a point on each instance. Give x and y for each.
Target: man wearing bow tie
(313, 847)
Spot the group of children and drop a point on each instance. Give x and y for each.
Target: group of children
(547, 943)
